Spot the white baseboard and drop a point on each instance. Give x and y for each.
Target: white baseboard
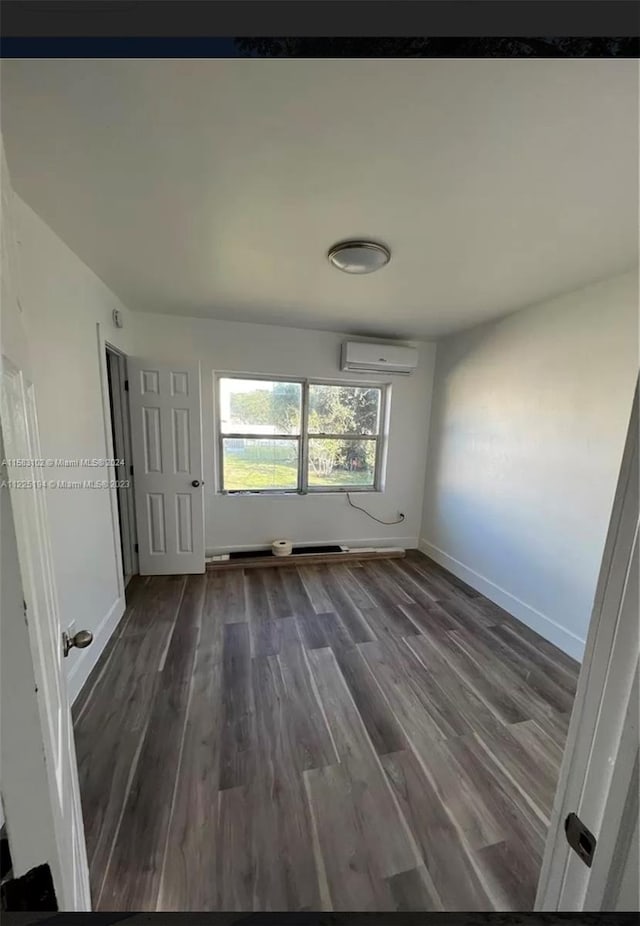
(86, 659)
(564, 639)
(407, 543)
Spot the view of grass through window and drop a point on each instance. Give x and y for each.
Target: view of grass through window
(263, 435)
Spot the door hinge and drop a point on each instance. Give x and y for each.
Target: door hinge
(135, 547)
(126, 385)
(131, 470)
(581, 840)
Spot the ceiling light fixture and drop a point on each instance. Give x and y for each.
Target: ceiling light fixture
(359, 256)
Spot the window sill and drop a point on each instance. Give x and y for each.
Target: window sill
(318, 493)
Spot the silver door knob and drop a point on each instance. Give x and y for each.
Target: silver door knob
(195, 483)
(81, 639)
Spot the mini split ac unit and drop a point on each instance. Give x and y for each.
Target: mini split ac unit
(364, 357)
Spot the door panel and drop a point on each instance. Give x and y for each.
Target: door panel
(599, 769)
(56, 833)
(19, 424)
(166, 434)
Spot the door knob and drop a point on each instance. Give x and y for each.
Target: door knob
(81, 639)
(195, 483)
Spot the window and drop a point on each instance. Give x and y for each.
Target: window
(298, 436)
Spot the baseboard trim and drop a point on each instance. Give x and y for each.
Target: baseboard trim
(81, 669)
(308, 559)
(564, 639)
(407, 543)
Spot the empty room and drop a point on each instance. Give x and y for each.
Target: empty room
(319, 487)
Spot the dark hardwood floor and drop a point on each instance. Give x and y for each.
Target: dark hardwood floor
(341, 737)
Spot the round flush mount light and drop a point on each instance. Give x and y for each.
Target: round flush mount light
(359, 256)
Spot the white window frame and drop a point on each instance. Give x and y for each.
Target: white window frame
(303, 438)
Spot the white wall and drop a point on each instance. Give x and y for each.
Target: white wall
(528, 425)
(63, 302)
(234, 522)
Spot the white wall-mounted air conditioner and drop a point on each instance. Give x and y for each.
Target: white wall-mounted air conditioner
(365, 357)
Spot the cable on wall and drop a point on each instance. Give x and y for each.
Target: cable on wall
(372, 516)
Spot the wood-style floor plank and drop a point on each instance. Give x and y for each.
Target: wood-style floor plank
(413, 890)
(348, 854)
(539, 644)
(277, 599)
(258, 608)
(237, 707)
(528, 695)
(291, 735)
(314, 587)
(296, 593)
(312, 743)
(110, 729)
(371, 584)
(471, 714)
(269, 637)
(320, 630)
(226, 590)
(188, 876)
(447, 858)
(389, 621)
(484, 681)
(508, 877)
(235, 875)
(346, 574)
(375, 575)
(347, 736)
(106, 764)
(449, 581)
(536, 766)
(389, 844)
(377, 715)
(514, 760)
(152, 604)
(464, 611)
(432, 583)
(507, 812)
(554, 668)
(420, 706)
(429, 618)
(412, 583)
(342, 604)
(133, 875)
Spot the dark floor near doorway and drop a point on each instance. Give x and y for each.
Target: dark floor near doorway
(340, 737)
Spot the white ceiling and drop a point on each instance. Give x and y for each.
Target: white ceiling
(216, 187)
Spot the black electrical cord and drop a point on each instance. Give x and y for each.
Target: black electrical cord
(372, 516)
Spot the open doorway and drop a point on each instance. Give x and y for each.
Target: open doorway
(121, 437)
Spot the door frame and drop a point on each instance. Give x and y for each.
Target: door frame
(102, 344)
(119, 422)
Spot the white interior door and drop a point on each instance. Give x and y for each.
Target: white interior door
(39, 770)
(599, 774)
(166, 435)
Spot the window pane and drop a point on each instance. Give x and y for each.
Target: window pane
(259, 464)
(258, 406)
(341, 462)
(343, 410)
